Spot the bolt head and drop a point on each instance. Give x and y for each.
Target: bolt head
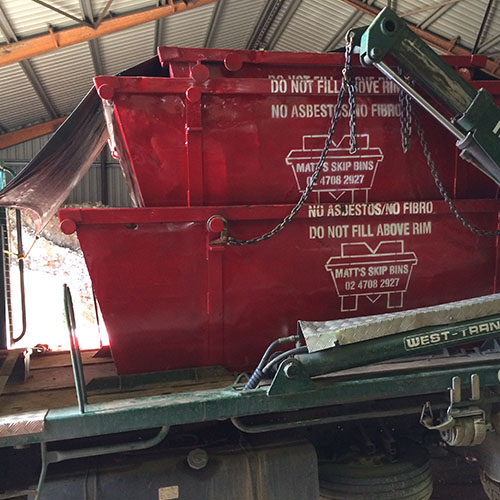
(216, 224)
(193, 94)
(197, 459)
(106, 92)
(291, 370)
(67, 226)
(233, 62)
(200, 73)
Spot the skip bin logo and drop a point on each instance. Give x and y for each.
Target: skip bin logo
(363, 271)
(343, 174)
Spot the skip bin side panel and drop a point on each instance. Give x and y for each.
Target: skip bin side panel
(423, 260)
(153, 127)
(254, 144)
(263, 149)
(315, 80)
(150, 281)
(169, 302)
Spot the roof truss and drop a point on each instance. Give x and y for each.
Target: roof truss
(26, 66)
(448, 46)
(31, 47)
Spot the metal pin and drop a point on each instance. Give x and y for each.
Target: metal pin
(475, 388)
(456, 390)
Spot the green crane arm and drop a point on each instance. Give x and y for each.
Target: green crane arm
(475, 117)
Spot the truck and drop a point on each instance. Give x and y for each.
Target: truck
(264, 347)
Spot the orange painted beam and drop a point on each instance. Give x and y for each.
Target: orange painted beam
(35, 46)
(449, 46)
(25, 134)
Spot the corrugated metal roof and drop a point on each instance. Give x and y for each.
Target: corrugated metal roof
(66, 75)
(236, 23)
(187, 29)
(276, 22)
(463, 22)
(459, 19)
(122, 6)
(125, 49)
(29, 18)
(314, 24)
(19, 105)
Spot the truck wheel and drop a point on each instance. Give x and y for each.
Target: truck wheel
(362, 477)
(490, 486)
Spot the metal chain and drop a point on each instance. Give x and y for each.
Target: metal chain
(444, 193)
(313, 179)
(309, 187)
(351, 91)
(405, 117)
(267, 23)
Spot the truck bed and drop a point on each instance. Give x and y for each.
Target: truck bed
(50, 383)
(44, 407)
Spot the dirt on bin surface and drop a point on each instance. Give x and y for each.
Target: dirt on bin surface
(54, 260)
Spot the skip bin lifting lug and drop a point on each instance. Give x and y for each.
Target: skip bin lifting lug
(465, 426)
(218, 224)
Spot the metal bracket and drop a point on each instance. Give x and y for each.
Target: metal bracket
(290, 378)
(463, 426)
(54, 456)
(218, 224)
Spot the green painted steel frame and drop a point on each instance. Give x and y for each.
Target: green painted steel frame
(202, 406)
(389, 35)
(423, 341)
(476, 114)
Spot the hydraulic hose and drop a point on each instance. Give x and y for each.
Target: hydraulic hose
(264, 366)
(281, 357)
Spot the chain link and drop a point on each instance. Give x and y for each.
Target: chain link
(328, 141)
(444, 193)
(407, 112)
(405, 117)
(309, 187)
(351, 91)
(263, 31)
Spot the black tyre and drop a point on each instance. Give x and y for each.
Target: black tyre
(361, 477)
(490, 486)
